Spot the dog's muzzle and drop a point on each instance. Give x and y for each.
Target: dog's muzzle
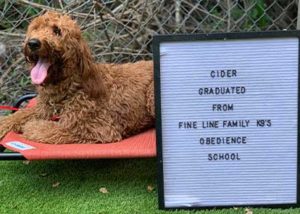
(34, 44)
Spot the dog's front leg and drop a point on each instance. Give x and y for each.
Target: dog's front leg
(55, 133)
(74, 128)
(15, 121)
(44, 131)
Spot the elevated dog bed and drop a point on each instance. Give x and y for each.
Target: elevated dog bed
(139, 146)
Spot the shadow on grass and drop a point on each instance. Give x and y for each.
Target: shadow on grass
(76, 174)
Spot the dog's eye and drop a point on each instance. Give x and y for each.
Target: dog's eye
(56, 31)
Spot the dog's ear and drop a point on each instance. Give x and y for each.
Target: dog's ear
(77, 53)
(91, 75)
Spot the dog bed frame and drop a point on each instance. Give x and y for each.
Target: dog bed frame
(142, 145)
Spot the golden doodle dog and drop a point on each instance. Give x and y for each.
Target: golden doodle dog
(95, 103)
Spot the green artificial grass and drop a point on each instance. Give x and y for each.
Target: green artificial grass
(73, 187)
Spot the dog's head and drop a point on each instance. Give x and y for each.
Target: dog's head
(56, 50)
(52, 43)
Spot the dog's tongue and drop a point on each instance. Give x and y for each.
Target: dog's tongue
(39, 71)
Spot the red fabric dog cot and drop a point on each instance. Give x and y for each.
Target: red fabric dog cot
(139, 146)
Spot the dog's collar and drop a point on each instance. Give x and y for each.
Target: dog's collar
(56, 111)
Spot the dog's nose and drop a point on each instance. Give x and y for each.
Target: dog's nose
(34, 44)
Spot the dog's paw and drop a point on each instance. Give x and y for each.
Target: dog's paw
(4, 128)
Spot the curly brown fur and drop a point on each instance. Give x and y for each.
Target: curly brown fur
(96, 103)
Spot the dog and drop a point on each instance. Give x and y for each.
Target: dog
(94, 103)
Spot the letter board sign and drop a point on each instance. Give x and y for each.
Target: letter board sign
(227, 119)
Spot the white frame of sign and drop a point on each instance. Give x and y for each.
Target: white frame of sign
(168, 198)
